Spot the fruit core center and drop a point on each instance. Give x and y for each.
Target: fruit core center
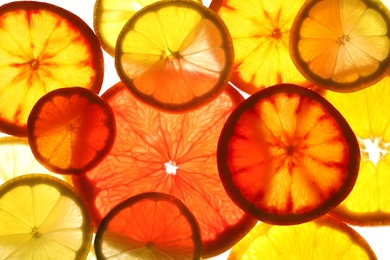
(34, 64)
(35, 233)
(343, 40)
(171, 167)
(373, 149)
(290, 150)
(276, 34)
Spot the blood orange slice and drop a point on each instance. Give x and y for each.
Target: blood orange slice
(149, 226)
(70, 130)
(170, 153)
(287, 156)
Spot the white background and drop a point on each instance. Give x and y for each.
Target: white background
(378, 238)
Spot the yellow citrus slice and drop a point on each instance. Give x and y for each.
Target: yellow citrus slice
(368, 113)
(17, 159)
(342, 45)
(111, 15)
(149, 225)
(287, 156)
(260, 30)
(43, 47)
(41, 217)
(175, 55)
(324, 238)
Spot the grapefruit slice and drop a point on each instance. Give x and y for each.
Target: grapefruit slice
(170, 153)
(287, 156)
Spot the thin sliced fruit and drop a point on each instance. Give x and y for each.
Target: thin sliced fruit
(43, 47)
(170, 153)
(260, 30)
(111, 15)
(42, 217)
(368, 113)
(324, 238)
(149, 226)
(175, 55)
(71, 130)
(287, 156)
(342, 45)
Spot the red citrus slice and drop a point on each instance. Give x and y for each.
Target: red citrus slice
(149, 226)
(169, 153)
(70, 130)
(43, 47)
(287, 156)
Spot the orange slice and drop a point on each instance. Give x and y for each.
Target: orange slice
(368, 114)
(111, 15)
(323, 238)
(342, 45)
(43, 47)
(149, 226)
(175, 55)
(42, 217)
(71, 130)
(260, 30)
(169, 153)
(287, 156)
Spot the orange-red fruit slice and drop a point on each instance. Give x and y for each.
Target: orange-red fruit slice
(43, 47)
(175, 55)
(71, 130)
(170, 153)
(149, 226)
(287, 156)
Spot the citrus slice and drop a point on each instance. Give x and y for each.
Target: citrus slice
(149, 226)
(342, 45)
(323, 238)
(41, 217)
(111, 15)
(287, 156)
(169, 153)
(71, 130)
(260, 30)
(175, 55)
(43, 47)
(368, 113)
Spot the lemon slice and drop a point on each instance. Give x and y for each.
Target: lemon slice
(111, 15)
(323, 238)
(342, 45)
(41, 217)
(175, 55)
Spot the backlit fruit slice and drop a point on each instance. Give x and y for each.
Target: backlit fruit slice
(42, 48)
(41, 217)
(342, 45)
(149, 226)
(175, 55)
(260, 31)
(323, 238)
(111, 15)
(170, 153)
(368, 113)
(287, 156)
(17, 159)
(71, 130)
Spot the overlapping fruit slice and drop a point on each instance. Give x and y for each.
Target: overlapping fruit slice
(41, 217)
(260, 30)
(367, 112)
(169, 153)
(70, 130)
(111, 15)
(342, 45)
(175, 55)
(323, 238)
(43, 47)
(17, 159)
(149, 226)
(287, 156)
